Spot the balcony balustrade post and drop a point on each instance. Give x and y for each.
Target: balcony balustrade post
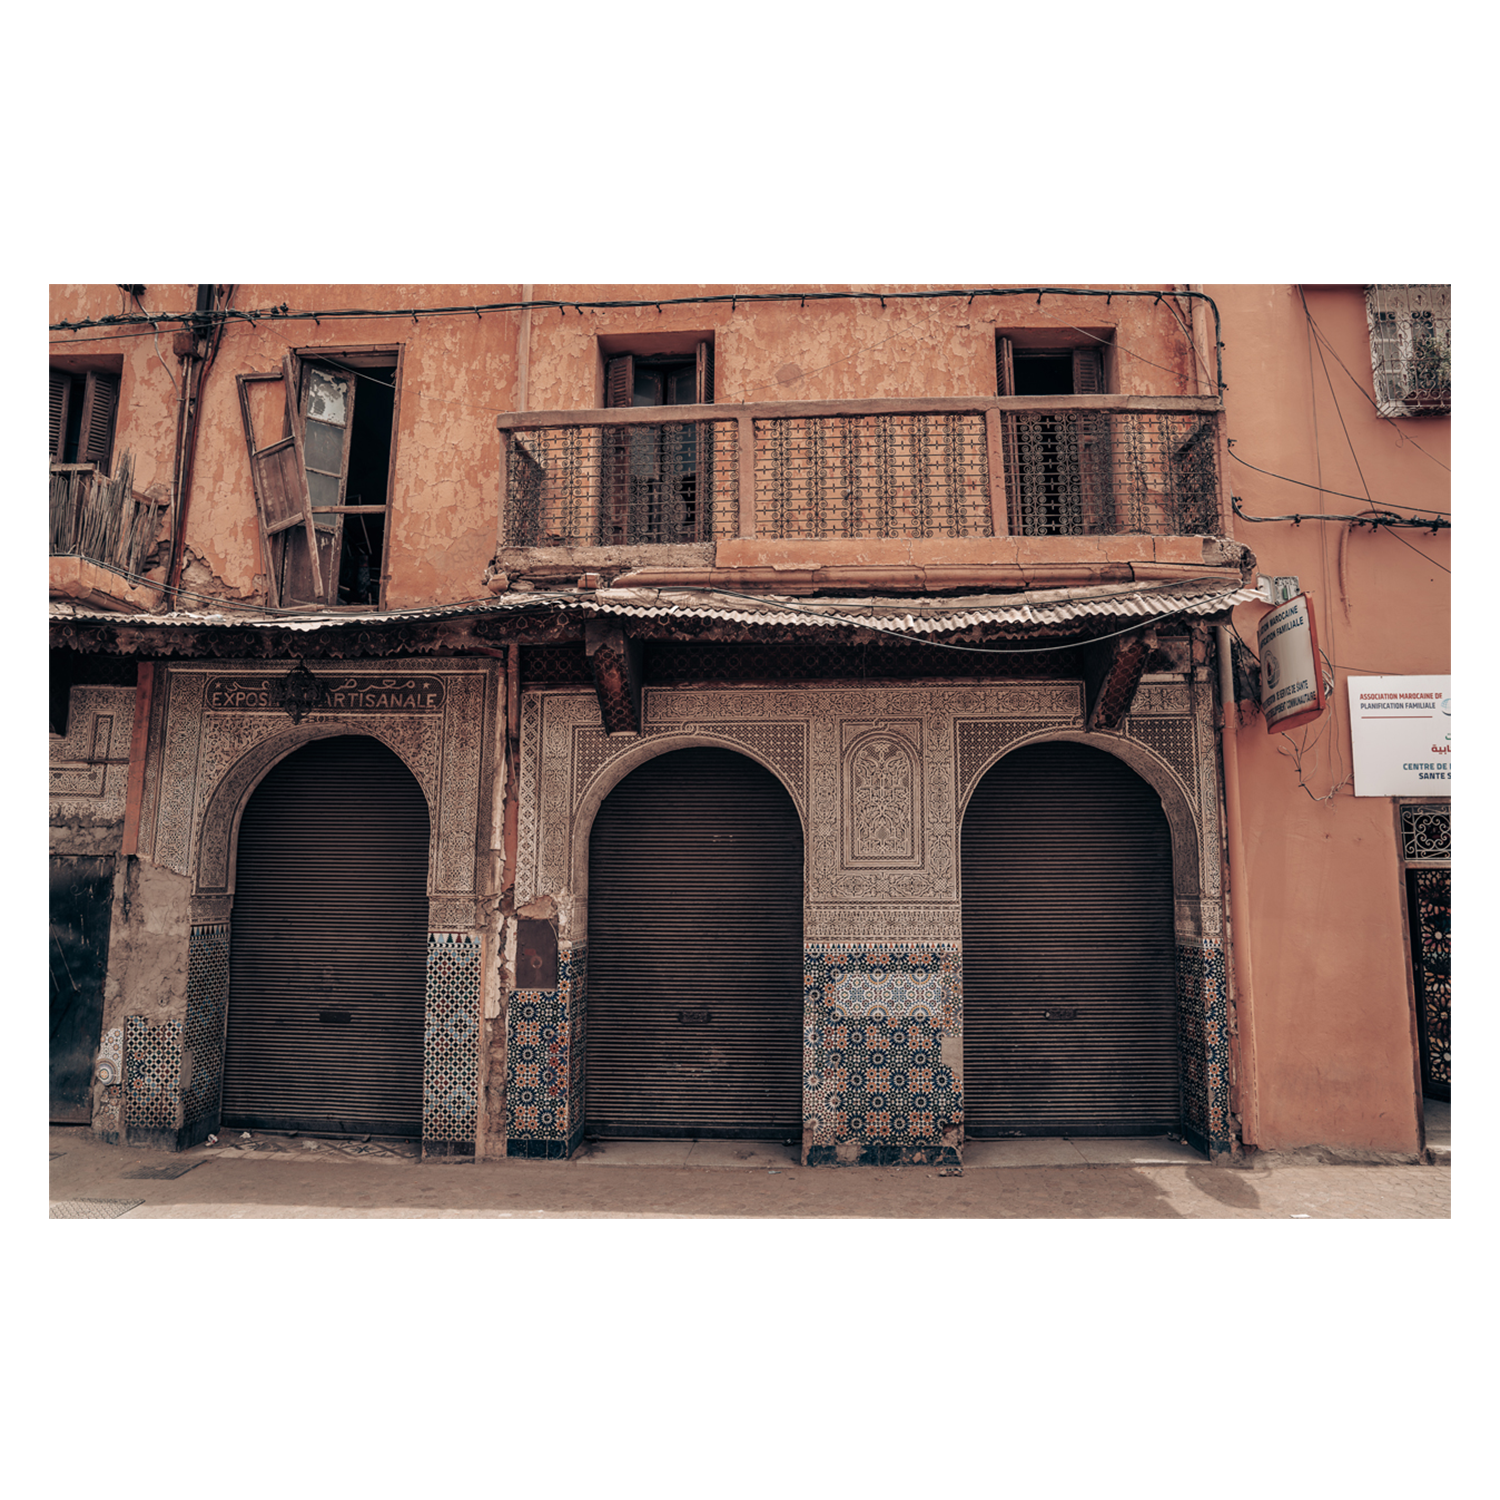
(747, 476)
(999, 511)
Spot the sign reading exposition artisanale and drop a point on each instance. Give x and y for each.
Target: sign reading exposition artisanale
(1402, 728)
(400, 694)
(1291, 681)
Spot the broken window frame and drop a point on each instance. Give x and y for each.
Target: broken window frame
(281, 470)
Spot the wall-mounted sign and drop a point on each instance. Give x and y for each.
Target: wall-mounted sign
(1402, 729)
(401, 693)
(1291, 677)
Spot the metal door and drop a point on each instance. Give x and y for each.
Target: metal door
(1429, 894)
(1070, 1018)
(695, 952)
(328, 943)
(81, 889)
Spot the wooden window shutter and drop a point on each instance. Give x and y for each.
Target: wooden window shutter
(619, 381)
(281, 499)
(705, 393)
(1010, 434)
(101, 395)
(619, 390)
(1088, 371)
(1094, 462)
(59, 385)
(1005, 367)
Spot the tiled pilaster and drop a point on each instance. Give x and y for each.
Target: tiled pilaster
(882, 1053)
(450, 1042)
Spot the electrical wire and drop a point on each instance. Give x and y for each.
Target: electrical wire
(284, 313)
(1340, 494)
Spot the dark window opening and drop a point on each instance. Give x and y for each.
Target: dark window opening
(1043, 374)
(362, 553)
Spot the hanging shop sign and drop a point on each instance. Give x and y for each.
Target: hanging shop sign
(1402, 730)
(337, 693)
(1291, 680)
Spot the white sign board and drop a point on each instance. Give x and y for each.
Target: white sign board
(1291, 678)
(1402, 732)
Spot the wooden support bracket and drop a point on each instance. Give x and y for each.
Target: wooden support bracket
(1111, 673)
(616, 661)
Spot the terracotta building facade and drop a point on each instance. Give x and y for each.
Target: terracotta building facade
(509, 716)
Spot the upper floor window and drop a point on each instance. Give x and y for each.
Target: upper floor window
(1410, 349)
(321, 437)
(642, 376)
(81, 416)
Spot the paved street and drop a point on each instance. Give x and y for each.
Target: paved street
(266, 1177)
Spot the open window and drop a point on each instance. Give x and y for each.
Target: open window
(322, 487)
(658, 479)
(1057, 463)
(82, 404)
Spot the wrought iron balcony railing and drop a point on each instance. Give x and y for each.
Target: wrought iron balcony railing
(1019, 465)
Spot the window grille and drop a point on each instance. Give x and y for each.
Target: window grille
(1426, 831)
(1411, 349)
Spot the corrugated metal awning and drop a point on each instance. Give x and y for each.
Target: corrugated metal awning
(1038, 609)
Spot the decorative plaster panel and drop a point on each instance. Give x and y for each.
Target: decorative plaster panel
(211, 760)
(83, 782)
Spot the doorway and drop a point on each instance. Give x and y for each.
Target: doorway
(327, 963)
(695, 995)
(1070, 998)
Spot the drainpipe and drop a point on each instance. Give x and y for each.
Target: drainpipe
(1239, 897)
(197, 354)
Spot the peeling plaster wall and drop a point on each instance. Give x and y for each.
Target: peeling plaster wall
(460, 371)
(830, 351)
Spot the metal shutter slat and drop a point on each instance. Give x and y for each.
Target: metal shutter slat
(695, 905)
(329, 921)
(1069, 952)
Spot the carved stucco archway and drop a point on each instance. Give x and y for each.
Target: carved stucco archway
(1200, 962)
(1182, 815)
(612, 774)
(218, 834)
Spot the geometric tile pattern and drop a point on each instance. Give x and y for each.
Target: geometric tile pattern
(877, 1017)
(1203, 1043)
(450, 1038)
(544, 1061)
(207, 997)
(153, 1072)
(111, 1065)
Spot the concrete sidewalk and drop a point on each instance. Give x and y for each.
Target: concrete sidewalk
(278, 1177)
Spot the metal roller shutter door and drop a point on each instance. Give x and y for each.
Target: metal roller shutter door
(1070, 1006)
(695, 952)
(327, 964)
